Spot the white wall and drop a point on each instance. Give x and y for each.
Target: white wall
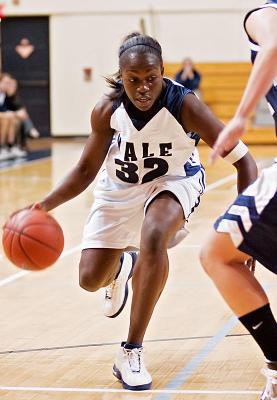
(72, 6)
(78, 42)
(87, 33)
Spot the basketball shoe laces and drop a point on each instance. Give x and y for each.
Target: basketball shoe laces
(134, 358)
(270, 391)
(109, 290)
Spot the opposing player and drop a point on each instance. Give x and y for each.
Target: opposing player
(249, 227)
(151, 182)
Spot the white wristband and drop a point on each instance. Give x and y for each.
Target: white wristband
(237, 153)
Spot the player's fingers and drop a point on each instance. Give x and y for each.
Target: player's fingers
(251, 264)
(24, 208)
(215, 153)
(15, 212)
(36, 206)
(39, 206)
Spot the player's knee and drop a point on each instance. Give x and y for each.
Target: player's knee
(87, 280)
(88, 284)
(154, 241)
(207, 259)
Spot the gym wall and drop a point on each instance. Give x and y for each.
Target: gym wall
(87, 34)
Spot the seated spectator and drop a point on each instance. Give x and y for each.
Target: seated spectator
(14, 119)
(188, 76)
(28, 126)
(9, 123)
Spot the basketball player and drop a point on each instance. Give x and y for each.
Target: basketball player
(249, 227)
(151, 183)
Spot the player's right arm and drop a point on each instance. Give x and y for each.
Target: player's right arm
(90, 162)
(262, 28)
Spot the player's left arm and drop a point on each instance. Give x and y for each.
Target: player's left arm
(197, 117)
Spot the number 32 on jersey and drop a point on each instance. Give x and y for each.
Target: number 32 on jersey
(127, 168)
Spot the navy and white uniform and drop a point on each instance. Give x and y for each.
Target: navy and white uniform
(150, 153)
(251, 220)
(271, 96)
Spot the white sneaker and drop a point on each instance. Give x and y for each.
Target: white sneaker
(116, 293)
(17, 152)
(5, 154)
(34, 133)
(270, 390)
(129, 368)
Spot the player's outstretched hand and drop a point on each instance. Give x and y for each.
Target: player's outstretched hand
(228, 137)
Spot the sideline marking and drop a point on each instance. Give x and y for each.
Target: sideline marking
(127, 392)
(23, 273)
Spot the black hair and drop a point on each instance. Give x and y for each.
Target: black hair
(134, 42)
(140, 44)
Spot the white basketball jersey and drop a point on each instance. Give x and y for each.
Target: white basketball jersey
(150, 145)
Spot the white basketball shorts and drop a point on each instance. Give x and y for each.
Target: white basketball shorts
(116, 217)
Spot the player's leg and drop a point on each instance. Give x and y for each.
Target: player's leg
(242, 292)
(250, 225)
(107, 232)
(164, 217)
(226, 266)
(109, 268)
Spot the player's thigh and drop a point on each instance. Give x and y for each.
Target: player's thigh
(164, 217)
(220, 248)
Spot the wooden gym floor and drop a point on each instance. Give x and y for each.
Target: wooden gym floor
(56, 344)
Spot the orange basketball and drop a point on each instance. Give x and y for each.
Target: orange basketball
(32, 239)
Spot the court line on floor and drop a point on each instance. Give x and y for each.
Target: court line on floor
(220, 182)
(105, 390)
(29, 178)
(13, 277)
(81, 346)
(23, 273)
(23, 164)
(185, 373)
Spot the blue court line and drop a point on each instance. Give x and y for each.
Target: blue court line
(194, 363)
